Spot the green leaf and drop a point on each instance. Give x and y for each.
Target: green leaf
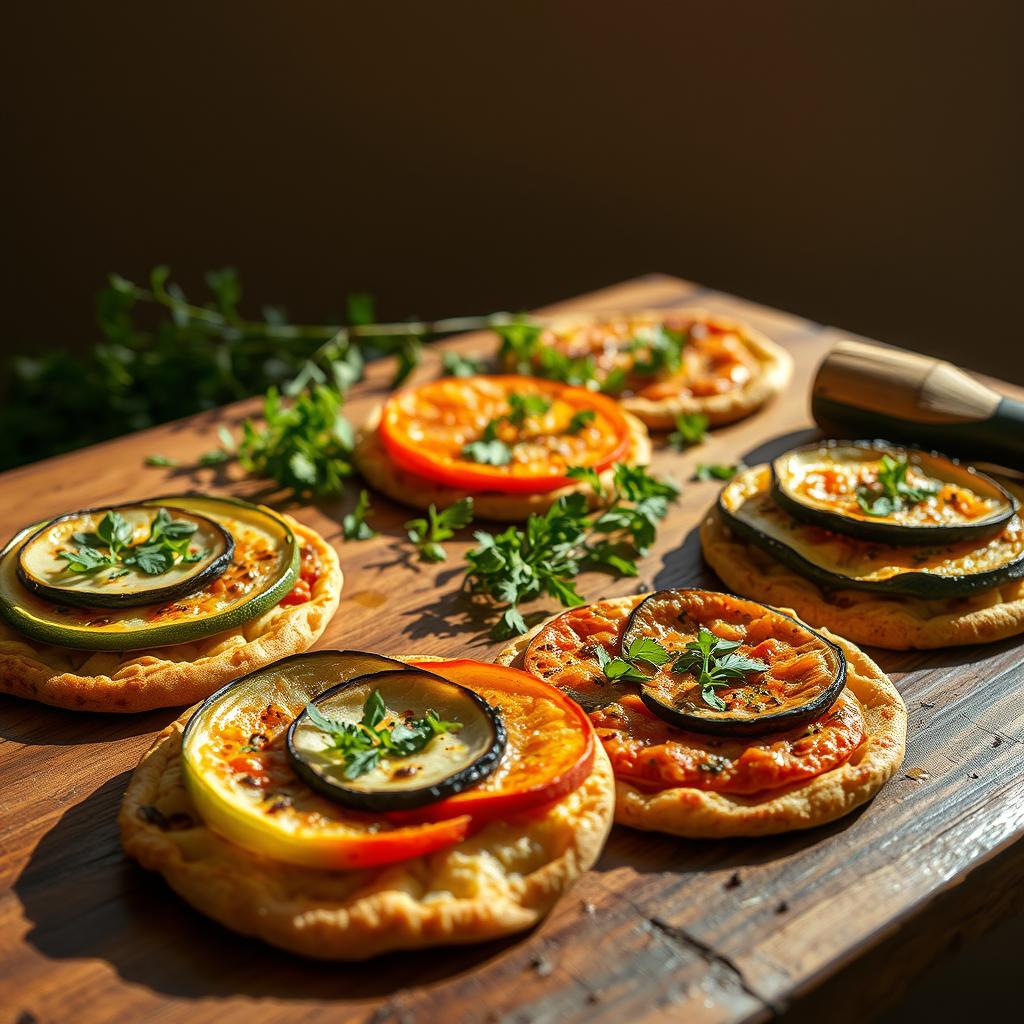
(152, 559)
(214, 457)
(354, 525)
(114, 530)
(580, 420)
(691, 429)
(588, 475)
(456, 365)
(645, 648)
(427, 533)
(160, 460)
(716, 471)
(489, 453)
(374, 710)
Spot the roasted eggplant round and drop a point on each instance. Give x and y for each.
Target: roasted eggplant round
(239, 777)
(735, 667)
(262, 570)
(395, 740)
(878, 491)
(124, 555)
(837, 561)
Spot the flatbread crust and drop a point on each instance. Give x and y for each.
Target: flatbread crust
(170, 676)
(660, 414)
(500, 881)
(697, 814)
(410, 489)
(897, 623)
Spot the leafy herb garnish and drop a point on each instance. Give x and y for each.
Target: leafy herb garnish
(640, 648)
(428, 533)
(545, 556)
(716, 664)
(110, 547)
(488, 453)
(894, 493)
(691, 428)
(160, 460)
(456, 365)
(716, 471)
(354, 525)
(657, 349)
(377, 735)
(580, 420)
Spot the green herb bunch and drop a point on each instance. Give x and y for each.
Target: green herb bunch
(546, 555)
(716, 665)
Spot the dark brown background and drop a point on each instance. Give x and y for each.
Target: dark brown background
(856, 163)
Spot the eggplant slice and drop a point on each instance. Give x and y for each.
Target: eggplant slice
(806, 672)
(834, 485)
(835, 561)
(42, 571)
(448, 763)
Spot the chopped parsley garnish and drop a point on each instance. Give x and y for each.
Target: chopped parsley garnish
(893, 492)
(715, 664)
(110, 547)
(361, 745)
(488, 453)
(428, 533)
(456, 365)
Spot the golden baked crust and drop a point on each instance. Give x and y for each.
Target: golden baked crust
(660, 414)
(170, 676)
(897, 623)
(501, 880)
(698, 814)
(410, 489)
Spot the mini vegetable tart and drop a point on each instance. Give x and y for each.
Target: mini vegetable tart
(158, 603)
(889, 547)
(661, 364)
(507, 441)
(342, 804)
(722, 717)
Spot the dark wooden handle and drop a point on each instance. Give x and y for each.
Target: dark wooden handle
(869, 391)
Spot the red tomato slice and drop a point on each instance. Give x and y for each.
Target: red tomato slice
(424, 430)
(550, 749)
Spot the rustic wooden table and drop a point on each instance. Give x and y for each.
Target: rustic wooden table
(844, 916)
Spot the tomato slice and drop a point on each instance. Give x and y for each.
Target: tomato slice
(550, 747)
(425, 429)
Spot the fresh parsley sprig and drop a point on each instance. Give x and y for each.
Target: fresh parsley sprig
(716, 665)
(893, 492)
(427, 534)
(624, 667)
(544, 557)
(361, 745)
(717, 470)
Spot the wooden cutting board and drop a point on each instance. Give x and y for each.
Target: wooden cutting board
(841, 917)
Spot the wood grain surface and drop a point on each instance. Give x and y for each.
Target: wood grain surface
(841, 917)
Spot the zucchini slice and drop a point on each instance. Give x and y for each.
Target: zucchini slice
(879, 491)
(239, 777)
(417, 739)
(835, 561)
(47, 560)
(262, 571)
(784, 674)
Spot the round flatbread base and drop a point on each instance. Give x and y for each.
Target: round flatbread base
(383, 475)
(170, 676)
(776, 369)
(699, 814)
(897, 623)
(501, 880)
